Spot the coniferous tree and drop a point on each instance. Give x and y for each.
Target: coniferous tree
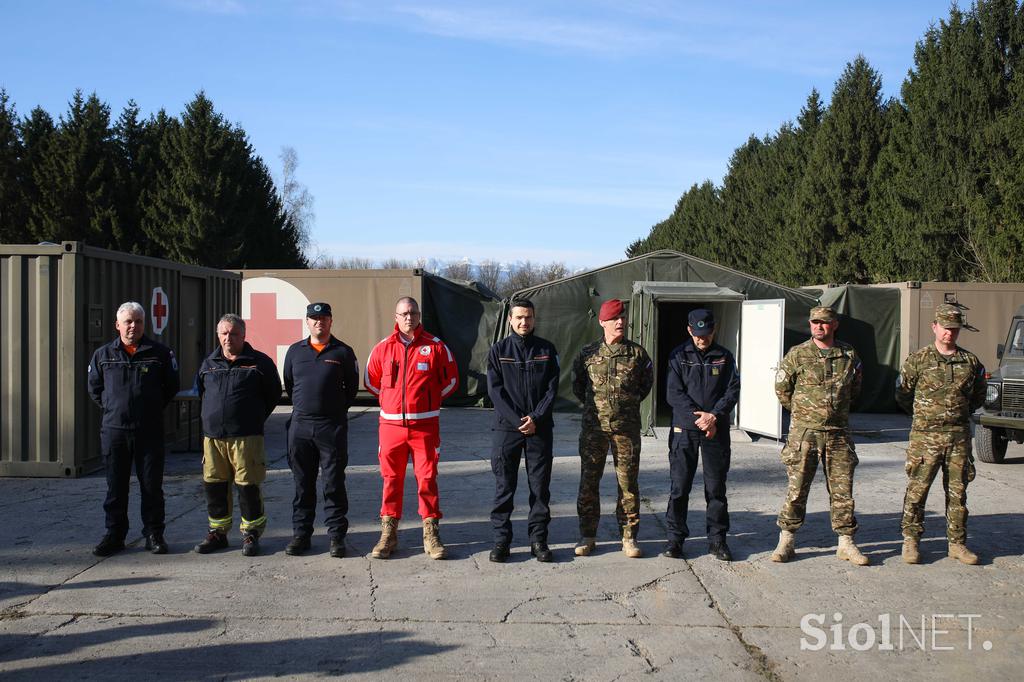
(75, 178)
(12, 207)
(939, 195)
(829, 224)
(37, 133)
(212, 201)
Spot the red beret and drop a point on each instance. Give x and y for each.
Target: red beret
(611, 309)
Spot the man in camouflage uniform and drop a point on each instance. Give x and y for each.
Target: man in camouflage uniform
(940, 385)
(816, 382)
(610, 378)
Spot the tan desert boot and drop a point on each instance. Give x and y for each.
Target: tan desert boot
(959, 551)
(911, 550)
(784, 552)
(585, 546)
(432, 540)
(848, 551)
(388, 538)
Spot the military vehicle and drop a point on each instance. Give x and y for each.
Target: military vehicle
(1001, 419)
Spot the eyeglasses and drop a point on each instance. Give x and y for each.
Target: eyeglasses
(411, 314)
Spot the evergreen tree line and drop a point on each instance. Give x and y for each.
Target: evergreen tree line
(929, 186)
(188, 189)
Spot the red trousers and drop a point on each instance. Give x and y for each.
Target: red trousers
(397, 442)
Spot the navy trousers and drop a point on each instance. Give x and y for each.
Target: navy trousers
(144, 449)
(682, 458)
(315, 446)
(508, 448)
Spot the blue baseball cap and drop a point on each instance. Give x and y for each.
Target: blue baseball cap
(701, 322)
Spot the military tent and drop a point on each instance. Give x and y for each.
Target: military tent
(757, 320)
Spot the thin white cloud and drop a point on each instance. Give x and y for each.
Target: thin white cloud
(503, 26)
(766, 36)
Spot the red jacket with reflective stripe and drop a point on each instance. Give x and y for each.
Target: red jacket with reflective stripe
(411, 381)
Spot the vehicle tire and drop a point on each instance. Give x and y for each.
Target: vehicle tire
(990, 444)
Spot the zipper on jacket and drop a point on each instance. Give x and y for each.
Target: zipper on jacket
(405, 369)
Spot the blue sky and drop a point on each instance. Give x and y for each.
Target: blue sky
(456, 129)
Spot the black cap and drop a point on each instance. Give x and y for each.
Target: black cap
(701, 322)
(318, 310)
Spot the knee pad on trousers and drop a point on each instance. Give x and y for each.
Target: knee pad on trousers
(217, 500)
(250, 502)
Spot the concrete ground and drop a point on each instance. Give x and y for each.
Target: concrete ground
(65, 614)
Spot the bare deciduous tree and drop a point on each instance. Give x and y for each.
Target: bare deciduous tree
(488, 273)
(457, 269)
(296, 200)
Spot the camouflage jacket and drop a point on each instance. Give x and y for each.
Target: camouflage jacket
(941, 391)
(611, 381)
(817, 387)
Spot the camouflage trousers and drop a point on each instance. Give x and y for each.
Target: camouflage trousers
(625, 447)
(930, 452)
(838, 460)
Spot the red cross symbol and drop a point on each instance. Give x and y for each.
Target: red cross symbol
(264, 331)
(158, 311)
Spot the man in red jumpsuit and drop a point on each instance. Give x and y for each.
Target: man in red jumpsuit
(410, 372)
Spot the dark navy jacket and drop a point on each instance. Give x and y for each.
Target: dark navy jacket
(321, 385)
(522, 380)
(237, 396)
(701, 382)
(133, 390)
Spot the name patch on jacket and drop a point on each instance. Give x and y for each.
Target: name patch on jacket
(333, 362)
(423, 366)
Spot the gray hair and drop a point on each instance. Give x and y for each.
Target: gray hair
(131, 307)
(233, 320)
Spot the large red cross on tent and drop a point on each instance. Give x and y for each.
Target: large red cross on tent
(264, 330)
(158, 310)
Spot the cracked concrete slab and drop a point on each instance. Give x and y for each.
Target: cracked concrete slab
(65, 614)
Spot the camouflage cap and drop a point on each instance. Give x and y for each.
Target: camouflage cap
(823, 313)
(949, 316)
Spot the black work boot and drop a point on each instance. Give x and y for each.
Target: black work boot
(214, 540)
(720, 551)
(499, 554)
(337, 547)
(541, 551)
(250, 544)
(110, 544)
(155, 543)
(673, 550)
(300, 544)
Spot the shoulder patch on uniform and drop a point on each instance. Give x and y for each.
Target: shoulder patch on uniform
(424, 350)
(781, 375)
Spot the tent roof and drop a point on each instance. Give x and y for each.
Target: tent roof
(667, 254)
(687, 291)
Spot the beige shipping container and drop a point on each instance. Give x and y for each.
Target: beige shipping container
(987, 307)
(57, 306)
(362, 304)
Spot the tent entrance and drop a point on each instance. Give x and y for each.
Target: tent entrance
(658, 316)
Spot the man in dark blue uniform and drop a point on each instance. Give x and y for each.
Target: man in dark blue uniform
(132, 379)
(703, 386)
(321, 376)
(522, 381)
(239, 387)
